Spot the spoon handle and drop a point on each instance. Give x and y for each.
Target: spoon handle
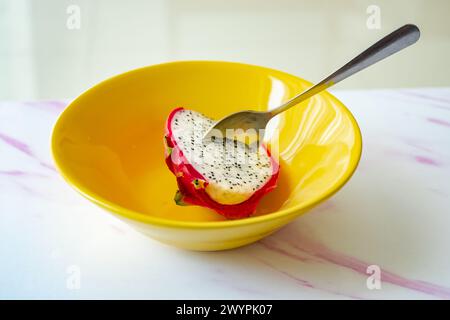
(390, 44)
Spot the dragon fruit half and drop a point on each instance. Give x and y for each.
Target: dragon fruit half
(224, 174)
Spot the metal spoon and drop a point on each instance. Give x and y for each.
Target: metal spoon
(390, 44)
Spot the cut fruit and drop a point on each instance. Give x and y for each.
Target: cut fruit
(223, 174)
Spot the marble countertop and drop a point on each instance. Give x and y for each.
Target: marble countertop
(394, 214)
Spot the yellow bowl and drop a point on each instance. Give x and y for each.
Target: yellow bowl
(108, 145)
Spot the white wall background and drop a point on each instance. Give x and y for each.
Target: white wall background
(40, 58)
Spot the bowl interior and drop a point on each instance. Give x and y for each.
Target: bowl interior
(109, 142)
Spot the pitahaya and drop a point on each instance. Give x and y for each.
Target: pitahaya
(224, 174)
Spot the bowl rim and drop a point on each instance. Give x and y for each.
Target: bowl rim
(148, 219)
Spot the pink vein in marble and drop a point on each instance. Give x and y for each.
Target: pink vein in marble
(439, 122)
(328, 255)
(14, 173)
(418, 145)
(24, 148)
(19, 145)
(303, 282)
(19, 173)
(427, 161)
(422, 159)
(300, 281)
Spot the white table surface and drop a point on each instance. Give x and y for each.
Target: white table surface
(394, 213)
